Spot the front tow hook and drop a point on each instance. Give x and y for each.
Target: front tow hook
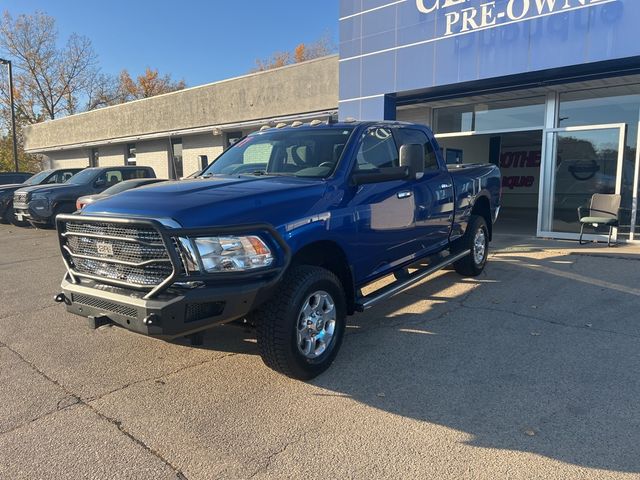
(61, 298)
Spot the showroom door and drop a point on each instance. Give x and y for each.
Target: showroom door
(583, 161)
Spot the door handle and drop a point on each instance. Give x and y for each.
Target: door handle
(405, 194)
(446, 185)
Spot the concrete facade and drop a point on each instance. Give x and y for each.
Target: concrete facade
(202, 117)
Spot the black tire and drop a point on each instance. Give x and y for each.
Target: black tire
(472, 265)
(8, 214)
(278, 319)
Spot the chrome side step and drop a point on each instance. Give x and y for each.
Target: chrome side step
(364, 303)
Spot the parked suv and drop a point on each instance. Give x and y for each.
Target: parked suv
(39, 205)
(46, 177)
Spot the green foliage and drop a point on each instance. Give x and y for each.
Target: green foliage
(27, 162)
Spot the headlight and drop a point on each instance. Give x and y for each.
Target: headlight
(233, 254)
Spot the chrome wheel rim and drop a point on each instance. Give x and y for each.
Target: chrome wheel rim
(316, 325)
(479, 246)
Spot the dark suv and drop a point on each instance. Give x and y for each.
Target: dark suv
(39, 205)
(46, 177)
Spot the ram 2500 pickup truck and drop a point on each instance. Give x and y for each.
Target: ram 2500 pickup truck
(39, 205)
(284, 229)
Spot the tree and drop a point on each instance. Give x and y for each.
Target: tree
(52, 81)
(302, 53)
(150, 84)
(49, 81)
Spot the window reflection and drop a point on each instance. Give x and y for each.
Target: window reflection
(586, 163)
(603, 106)
(484, 117)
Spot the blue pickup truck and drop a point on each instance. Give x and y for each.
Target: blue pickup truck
(284, 229)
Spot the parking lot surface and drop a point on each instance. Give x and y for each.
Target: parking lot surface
(529, 371)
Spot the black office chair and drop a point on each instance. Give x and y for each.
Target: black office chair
(604, 210)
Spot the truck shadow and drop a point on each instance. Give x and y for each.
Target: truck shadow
(537, 355)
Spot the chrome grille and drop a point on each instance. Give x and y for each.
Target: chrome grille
(20, 197)
(109, 230)
(148, 276)
(122, 250)
(131, 255)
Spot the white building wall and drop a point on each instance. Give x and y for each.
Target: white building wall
(68, 158)
(153, 153)
(195, 145)
(111, 155)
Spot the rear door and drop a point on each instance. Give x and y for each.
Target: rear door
(434, 194)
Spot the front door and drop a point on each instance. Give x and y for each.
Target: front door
(385, 211)
(587, 160)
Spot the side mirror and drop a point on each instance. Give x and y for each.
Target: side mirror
(101, 182)
(412, 157)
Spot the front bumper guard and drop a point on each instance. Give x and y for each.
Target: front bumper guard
(165, 310)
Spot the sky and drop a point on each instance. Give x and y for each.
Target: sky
(196, 40)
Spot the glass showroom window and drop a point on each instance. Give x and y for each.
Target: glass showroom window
(603, 106)
(515, 114)
(130, 154)
(176, 149)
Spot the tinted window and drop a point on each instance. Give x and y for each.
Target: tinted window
(378, 150)
(130, 156)
(176, 147)
(133, 173)
(483, 117)
(407, 136)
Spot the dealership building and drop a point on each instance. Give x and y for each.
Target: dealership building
(547, 89)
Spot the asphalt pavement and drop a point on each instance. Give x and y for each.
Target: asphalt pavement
(528, 371)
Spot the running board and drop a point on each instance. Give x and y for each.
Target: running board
(364, 303)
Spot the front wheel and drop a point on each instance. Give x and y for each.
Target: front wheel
(300, 329)
(476, 241)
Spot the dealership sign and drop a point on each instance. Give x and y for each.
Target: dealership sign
(461, 18)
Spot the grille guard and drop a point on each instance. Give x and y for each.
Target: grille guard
(168, 235)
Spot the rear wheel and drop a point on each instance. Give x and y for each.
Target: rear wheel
(476, 241)
(300, 329)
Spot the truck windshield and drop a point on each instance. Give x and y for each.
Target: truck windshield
(38, 178)
(309, 152)
(82, 178)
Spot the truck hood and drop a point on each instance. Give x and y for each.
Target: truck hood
(7, 190)
(219, 201)
(46, 189)
(10, 186)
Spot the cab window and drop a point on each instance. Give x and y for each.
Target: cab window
(377, 151)
(408, 136)
(133, 173)
(110, 177)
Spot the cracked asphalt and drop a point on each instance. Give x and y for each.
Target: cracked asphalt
(529, 371)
